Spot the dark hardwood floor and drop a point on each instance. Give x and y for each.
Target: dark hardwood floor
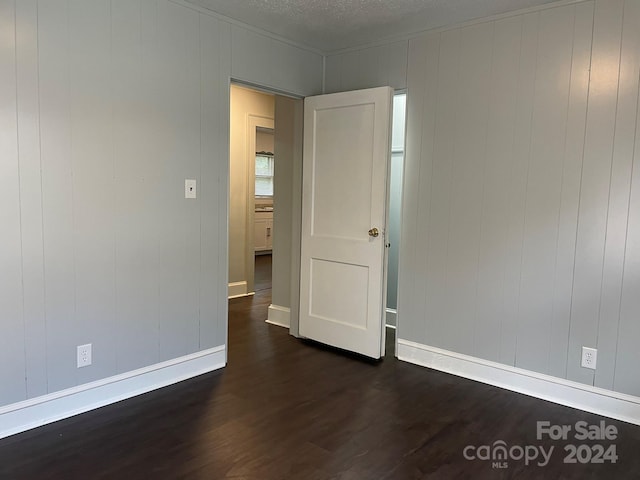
(262, 272)
(288, 409)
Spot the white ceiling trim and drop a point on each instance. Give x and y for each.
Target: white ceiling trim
(405, 36)
(331, 26)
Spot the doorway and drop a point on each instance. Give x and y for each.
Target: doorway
(395, 203)
(262, 264)
(263, 215)
(396, 170)
(251, 130)
(263, 180)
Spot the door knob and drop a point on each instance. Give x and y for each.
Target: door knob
(374, 232)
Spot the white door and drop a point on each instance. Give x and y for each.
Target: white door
(344, 189)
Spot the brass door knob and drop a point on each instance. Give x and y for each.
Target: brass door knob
(374, 232)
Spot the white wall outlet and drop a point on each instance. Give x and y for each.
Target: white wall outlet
(84, 355)
(189, 188)
(589, 357)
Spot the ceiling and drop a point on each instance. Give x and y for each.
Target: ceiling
(329, 25)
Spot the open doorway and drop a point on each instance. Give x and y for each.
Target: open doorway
(271, 251)
(394, 215)
(264, 176)
(395, 203)
(263, 200)
(251, 131)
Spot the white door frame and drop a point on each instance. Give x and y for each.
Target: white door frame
(296, 228)
(253, 123)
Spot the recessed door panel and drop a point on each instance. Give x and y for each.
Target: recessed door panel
(342, 171)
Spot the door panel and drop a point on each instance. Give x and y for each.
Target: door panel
(345, 302)
(337, 182)
(345, 168)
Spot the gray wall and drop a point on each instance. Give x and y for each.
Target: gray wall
(105, 108)
(521, 209)
(283, 200)
(379, 66)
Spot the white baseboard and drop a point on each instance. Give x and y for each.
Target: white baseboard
(565, 392)
(22, 416)
(238, 289)
(280, 316)
(392, 317)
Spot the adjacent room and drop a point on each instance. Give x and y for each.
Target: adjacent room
(319, 240)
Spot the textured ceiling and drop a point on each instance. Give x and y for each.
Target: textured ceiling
(329, 25)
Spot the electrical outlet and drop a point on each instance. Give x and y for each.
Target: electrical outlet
(84, 355)
(589, 357)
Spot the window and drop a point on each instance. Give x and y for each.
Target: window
(264, 174)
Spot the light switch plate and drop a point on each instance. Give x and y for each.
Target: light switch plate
(189, 188)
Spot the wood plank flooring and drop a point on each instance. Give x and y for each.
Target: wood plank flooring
(262, 275)
(288, 409)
